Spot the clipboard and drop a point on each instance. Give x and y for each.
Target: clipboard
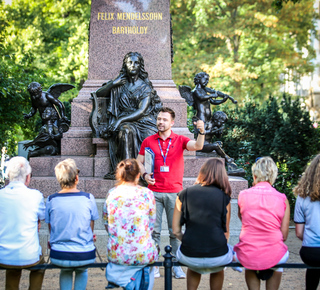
(149, 160)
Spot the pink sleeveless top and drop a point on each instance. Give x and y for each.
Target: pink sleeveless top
(261, 243)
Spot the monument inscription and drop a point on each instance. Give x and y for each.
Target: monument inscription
(142, 25)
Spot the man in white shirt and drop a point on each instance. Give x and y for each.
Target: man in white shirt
(21, 210)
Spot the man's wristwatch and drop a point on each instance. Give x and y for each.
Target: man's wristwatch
(204, 133)
(144, 175)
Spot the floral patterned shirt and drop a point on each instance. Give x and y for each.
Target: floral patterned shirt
(130, 213)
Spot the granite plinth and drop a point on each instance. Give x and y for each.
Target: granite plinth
(118, 27)
(99, 186)
(99, 166)
(44, 166)
(76, 146)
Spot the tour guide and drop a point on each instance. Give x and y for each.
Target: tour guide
(168, 172)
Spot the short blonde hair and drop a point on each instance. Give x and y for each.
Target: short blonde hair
(18, 169)
(66, 172)
(265, 170)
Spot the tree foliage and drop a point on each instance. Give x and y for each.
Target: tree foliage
(244, 45)
(43, 41)
(281, 129)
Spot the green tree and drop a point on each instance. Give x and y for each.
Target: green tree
(44, 41)
(244, 45)
(280, 128)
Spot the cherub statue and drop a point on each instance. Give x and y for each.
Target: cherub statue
(54, 120)
(201, 99)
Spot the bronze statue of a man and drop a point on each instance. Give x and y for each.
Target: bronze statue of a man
(132, 107)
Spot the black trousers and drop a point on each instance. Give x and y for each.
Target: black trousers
(311, 257)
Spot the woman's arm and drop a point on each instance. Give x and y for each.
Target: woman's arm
(136, 115)
(92, 225)
(176, 227)
(285, 222)
(227, 233)
(300, 231)
(239, 213)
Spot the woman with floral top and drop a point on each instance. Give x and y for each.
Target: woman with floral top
(129, 213)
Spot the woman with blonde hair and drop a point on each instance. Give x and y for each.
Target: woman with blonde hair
(70, 215)
(130, 213)
(205, 210)
(306, 218)
(265, 215)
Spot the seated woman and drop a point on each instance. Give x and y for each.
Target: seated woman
(70, 215)
(130, 213)
(306, 217)
(205, 209)
(265, 215)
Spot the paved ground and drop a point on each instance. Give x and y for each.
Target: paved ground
(291, 279)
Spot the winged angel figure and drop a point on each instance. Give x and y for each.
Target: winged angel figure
(201, 98)
(53, 116)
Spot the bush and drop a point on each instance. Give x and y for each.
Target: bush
(281, 129)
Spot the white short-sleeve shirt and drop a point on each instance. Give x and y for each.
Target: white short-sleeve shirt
(20, 210)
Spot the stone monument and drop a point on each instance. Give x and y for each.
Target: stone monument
(117, 28)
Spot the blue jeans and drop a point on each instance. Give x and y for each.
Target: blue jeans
(66, 275)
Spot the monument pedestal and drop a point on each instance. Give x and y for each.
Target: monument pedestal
(113, 33)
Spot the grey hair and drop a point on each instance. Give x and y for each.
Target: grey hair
(66, 172)
(18, 169)
(265, 170)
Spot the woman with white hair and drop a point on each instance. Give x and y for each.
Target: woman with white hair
(265, 215)
(21, 210)
(70, 215)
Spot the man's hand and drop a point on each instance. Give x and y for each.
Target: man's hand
(149, 179)
(200, 126)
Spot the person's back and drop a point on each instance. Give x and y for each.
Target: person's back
(70, 218)
(205, 230)
(306, 218)
(21, 210)
(129, 214)
(131, 221)
(262, 211)
(19, 214)
(265, 216)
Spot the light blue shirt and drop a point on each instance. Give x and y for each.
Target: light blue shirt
(308, 212)
(70, 215)
(20, 210)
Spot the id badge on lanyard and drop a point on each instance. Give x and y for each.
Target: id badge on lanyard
(164, 167)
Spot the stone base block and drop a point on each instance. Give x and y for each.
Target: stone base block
(77, 146)
(99, 187)
(44, 166)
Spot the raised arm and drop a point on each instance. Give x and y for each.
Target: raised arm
(200, 95)
(197, 145)
(104, 91)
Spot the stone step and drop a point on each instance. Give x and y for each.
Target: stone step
(99, 166)
(99, 187)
